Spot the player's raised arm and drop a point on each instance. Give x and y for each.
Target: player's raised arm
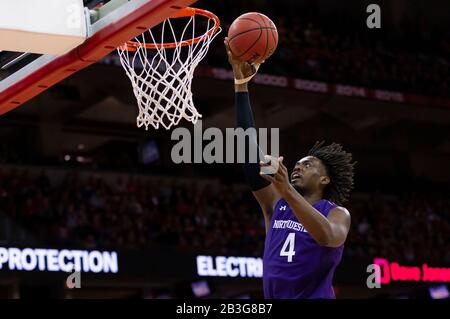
(263, 191)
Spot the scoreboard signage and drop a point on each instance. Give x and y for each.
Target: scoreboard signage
(393, 271)
(55, 260)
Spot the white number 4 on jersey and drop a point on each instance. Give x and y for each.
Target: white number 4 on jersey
(289, 247)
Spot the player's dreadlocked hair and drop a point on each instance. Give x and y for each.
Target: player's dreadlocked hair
(339, 166)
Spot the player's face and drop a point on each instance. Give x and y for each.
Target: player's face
(307, 174)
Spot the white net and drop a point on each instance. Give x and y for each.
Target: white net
(162, 77)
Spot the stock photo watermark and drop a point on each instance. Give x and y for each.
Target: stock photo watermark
(228, 147)
(373, 21)
(73, 281)
(374, 279)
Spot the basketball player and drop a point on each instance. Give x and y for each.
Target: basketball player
(305, 225)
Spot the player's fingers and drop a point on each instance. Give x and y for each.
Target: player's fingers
(262, 164)
(267, 177)
(269, 164)
(268, 158)
(227, 47)
(280, 161)
(268, 161)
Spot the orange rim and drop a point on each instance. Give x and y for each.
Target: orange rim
(183, 13)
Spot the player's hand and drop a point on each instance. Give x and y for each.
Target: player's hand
(274, 171)
(241, 69)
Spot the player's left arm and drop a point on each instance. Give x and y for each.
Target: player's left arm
(330, 231)
(339, 219)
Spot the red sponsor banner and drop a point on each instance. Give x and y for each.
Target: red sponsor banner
(327, 88)
(393, 271)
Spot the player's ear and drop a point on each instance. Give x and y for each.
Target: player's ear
(325, 180)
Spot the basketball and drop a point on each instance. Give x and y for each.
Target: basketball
(252, 37)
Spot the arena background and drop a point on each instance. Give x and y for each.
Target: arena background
(76, 173)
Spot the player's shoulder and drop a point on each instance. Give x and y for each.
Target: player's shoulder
(280, 202)
(337, 209)
(327, 206)
(331, 204)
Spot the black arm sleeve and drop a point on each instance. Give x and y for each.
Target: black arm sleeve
(244, 119)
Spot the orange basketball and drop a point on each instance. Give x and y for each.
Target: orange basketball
(252, 37)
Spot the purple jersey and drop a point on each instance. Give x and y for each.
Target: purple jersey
(295, 266)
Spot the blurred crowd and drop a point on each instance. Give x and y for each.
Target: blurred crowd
(414, 227)
(142, 213)
(133, 213)
(411, 57)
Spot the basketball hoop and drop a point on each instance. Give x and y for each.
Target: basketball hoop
(161, 68)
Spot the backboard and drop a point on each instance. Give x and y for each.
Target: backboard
(25, 75)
